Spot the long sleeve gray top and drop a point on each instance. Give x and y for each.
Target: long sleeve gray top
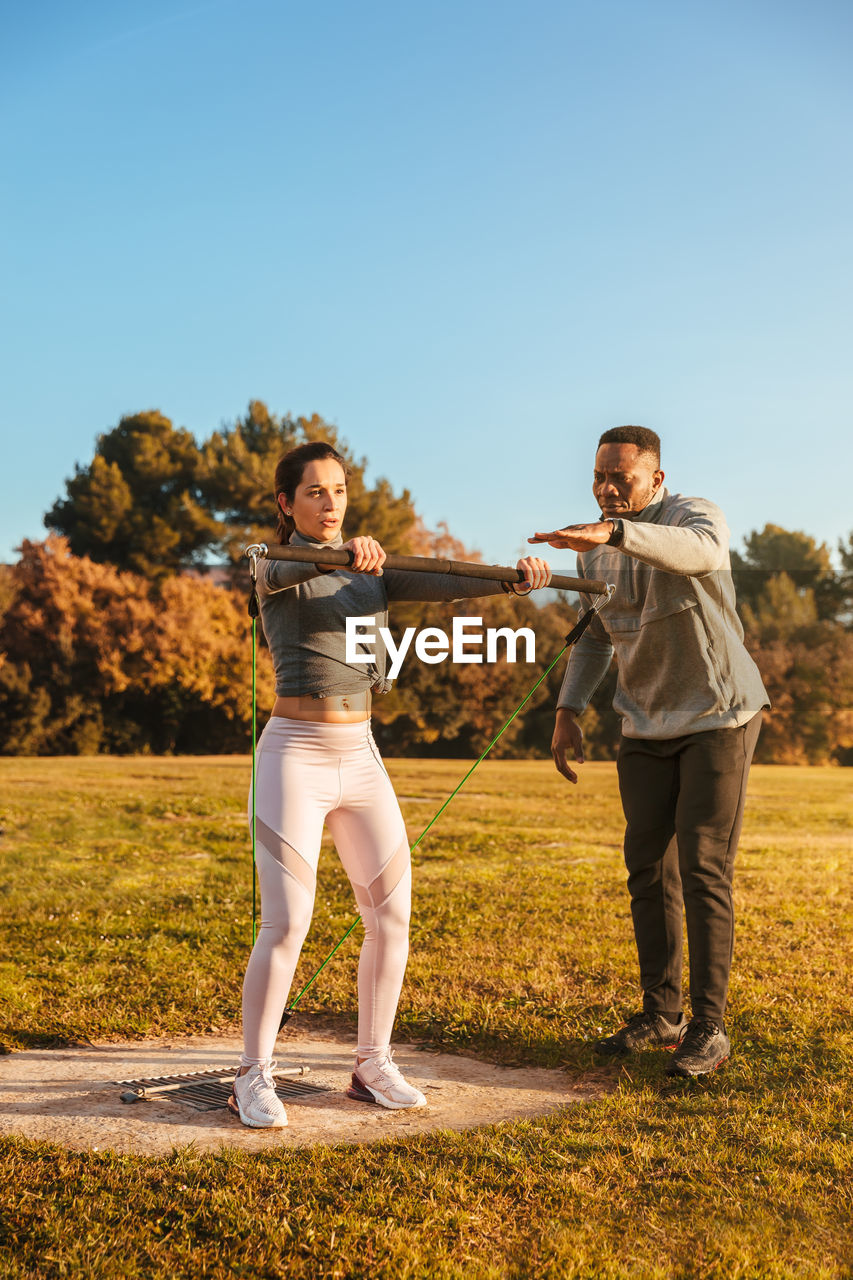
(304, 613)
(672, 624)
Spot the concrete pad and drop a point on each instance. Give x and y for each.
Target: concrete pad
(69, 1096)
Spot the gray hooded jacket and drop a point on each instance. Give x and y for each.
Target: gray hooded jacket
(672, 625)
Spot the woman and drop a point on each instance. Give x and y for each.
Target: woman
(317, 762)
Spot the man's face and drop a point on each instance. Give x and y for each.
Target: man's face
(625, 480)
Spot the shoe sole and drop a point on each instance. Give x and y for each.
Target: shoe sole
(694, 1075)
(361, 1092)
(625, 1053)
(235, 1109)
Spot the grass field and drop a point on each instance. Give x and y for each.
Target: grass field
(125, 911)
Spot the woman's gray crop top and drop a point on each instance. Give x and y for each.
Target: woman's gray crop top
(304, 613)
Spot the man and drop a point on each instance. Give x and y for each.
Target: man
(690, 698)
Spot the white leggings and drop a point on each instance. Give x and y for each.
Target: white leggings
(308, 773)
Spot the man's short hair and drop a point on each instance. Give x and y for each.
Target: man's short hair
(646, 441)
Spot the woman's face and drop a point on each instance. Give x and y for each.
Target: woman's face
(320, 500)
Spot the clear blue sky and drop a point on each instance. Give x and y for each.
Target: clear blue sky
(473, 235)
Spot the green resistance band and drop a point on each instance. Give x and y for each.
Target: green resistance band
(254, 610)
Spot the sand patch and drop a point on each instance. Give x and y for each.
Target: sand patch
(69, 1096)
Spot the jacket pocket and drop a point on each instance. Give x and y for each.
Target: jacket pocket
(654, 610)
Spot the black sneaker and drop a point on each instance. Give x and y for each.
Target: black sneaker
(704, 1048)
(643, 1031)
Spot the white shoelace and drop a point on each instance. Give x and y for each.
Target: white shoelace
(384, 1064)
(264, 1077)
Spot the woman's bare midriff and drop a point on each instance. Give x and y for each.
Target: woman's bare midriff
(343, 708)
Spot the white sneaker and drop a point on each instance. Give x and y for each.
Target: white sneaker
(255, 1101)
(379, 1080)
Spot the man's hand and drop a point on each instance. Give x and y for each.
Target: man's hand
(577, 537)
(567, 740)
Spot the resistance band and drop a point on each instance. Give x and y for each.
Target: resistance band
(254, 610)
(574, 635)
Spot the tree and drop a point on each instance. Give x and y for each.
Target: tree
(806, 663)
(94, 659)
(845, 580)
(793, 608)
(138, 504)
(776, 550)
(153, 502)
(237, 482)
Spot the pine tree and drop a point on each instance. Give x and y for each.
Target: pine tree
(138, 504)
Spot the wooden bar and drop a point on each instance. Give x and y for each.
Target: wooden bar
(426, 564)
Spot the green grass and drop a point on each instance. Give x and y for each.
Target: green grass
(125, 909)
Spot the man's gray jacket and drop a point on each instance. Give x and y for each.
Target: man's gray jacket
(672, 625)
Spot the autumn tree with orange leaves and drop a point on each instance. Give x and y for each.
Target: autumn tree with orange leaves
(96, 659)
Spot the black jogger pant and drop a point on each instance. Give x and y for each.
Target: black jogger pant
(683, 800)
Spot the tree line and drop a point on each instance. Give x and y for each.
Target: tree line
(114, 636)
